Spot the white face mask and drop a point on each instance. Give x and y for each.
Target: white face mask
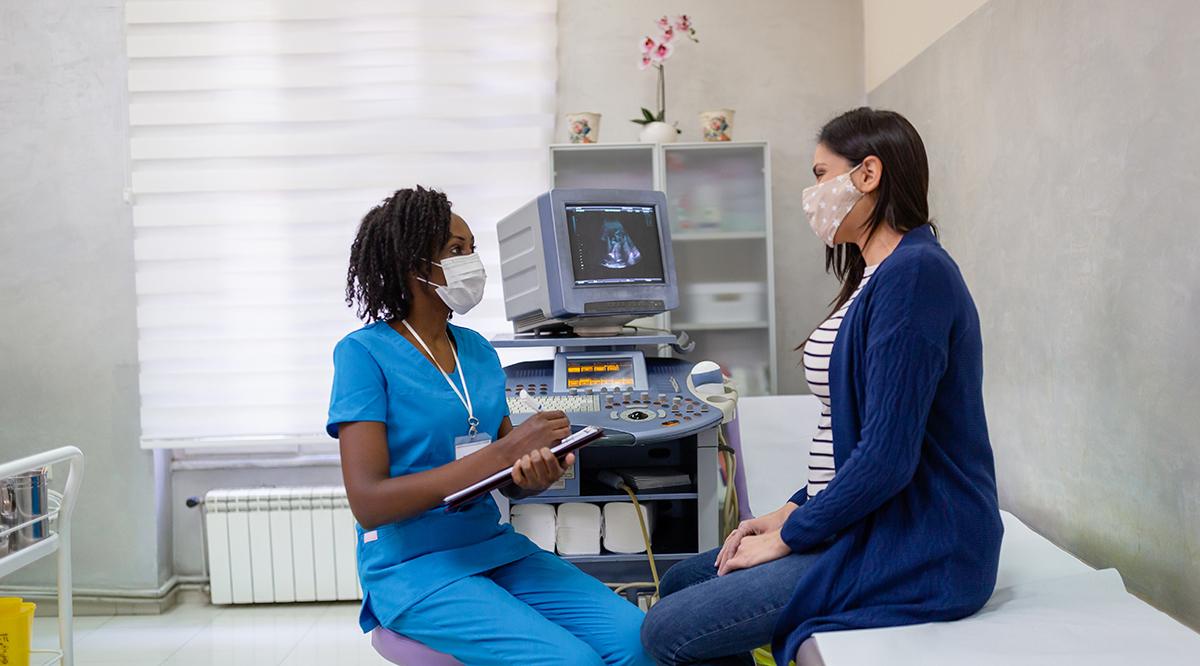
(465, 280)
(828, 203)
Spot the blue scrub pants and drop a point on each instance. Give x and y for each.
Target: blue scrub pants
(537, 610)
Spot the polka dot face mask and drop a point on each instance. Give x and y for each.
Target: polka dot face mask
(827, 204)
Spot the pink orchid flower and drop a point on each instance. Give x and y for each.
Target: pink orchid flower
(664, 22)
(668, 34)
(683, 22)
(647, 44)
(646, 61)
(662, 51)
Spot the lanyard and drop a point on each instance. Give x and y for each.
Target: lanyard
(464, 396)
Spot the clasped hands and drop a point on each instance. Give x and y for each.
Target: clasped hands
(755, 541)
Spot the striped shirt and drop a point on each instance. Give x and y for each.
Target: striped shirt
(817, 351)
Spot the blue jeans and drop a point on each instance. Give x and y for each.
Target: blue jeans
(706, 619)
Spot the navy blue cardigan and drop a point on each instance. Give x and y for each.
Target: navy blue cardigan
(911, 518)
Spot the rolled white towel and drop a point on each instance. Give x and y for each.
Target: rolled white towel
(578, 530)
(622, 532)
(537, 522)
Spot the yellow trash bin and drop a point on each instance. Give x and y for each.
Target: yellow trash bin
(16, 631)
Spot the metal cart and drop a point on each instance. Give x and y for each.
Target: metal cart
(58, 540)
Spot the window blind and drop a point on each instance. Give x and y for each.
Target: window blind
(260, 133)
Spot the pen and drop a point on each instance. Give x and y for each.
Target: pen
(529, 401)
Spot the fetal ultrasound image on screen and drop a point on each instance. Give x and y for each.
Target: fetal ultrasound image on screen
(614, 244)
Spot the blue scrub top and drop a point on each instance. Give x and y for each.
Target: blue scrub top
(380, 376)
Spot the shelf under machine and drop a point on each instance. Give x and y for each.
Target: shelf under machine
(652, 422)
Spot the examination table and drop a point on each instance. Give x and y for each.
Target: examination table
(1048, 608)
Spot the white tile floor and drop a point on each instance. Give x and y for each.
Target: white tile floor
(282, 635)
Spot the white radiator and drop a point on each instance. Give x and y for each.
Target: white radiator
(280, 545)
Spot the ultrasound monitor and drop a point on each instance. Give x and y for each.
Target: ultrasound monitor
(589, 260)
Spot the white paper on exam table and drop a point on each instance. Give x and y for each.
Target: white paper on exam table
(1081, 620)
(1043, 605)
(1026, 556)
(770, 428)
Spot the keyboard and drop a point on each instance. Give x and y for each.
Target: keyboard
(550, 403)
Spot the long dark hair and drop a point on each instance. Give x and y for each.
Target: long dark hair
(397, 237)
(903, 190)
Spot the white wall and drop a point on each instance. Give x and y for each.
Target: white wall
(896, 31)
(68, 342)
(785, 66)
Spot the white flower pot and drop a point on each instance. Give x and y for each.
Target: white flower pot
(658, 132)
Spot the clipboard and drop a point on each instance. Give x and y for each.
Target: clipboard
(573, 442)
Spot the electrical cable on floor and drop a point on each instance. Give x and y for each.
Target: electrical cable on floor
(620, 588)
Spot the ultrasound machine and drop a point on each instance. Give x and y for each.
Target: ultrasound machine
(578, 266)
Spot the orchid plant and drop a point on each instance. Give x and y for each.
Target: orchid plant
(654, 53)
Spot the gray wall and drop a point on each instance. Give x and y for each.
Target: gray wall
(1063, 149)
(68, 342)
(785, 66)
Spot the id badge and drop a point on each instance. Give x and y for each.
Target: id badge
(465, 446)
(468, 444)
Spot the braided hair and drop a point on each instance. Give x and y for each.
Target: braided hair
(397, 237)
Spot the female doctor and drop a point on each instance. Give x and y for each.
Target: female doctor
(418, 406)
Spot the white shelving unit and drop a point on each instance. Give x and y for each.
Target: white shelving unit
(58, 541)
(719, 196)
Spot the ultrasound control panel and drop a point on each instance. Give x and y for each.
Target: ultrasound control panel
(618, 391)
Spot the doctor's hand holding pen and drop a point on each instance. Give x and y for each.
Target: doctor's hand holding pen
(536, 468)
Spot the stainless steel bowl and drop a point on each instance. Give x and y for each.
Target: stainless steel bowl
(8, 518)
(24, 497)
